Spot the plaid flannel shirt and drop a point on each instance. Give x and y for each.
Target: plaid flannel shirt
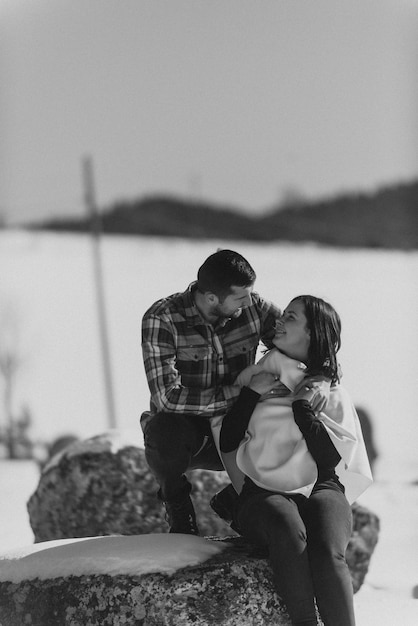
(191, 365)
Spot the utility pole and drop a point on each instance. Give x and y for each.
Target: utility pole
(95, 226)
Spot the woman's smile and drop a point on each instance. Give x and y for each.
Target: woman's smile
(292, 336)
(279, 328)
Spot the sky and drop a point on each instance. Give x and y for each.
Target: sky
(237, 102)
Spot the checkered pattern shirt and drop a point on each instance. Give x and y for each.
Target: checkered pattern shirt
(190, 364)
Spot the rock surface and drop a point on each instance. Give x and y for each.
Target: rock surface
(233, 588)
(365, 535)
(103, 486)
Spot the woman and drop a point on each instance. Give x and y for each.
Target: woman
(298, 470)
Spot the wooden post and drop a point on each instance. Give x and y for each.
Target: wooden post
(95, 225)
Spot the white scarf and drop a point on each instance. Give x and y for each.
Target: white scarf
(273, 452)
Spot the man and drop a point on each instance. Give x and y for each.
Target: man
(194, 345)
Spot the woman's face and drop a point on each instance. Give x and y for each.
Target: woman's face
(292, 335)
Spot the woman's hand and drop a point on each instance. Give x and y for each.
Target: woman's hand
(316, 390)
(263, 383)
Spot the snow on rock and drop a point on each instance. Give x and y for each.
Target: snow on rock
(112, 555)
(170, 580)
(103, 486)
(147, 580)
(123, 568)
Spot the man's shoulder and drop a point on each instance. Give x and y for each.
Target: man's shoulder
(256, 298)
(166, 305)
(261, 303)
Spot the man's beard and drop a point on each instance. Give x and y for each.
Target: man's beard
(224, 318)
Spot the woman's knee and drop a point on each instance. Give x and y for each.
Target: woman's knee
(324, 550)
(329, 532)
(277, 519)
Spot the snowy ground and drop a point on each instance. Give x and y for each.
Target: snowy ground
(385, 599)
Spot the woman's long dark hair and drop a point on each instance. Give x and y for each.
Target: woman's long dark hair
(324, 325)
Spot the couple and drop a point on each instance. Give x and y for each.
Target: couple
(284, 428)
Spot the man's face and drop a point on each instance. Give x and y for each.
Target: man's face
(233, 304)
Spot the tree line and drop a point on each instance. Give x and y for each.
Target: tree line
(386, 218)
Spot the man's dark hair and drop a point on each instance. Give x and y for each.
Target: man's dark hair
(222, 270)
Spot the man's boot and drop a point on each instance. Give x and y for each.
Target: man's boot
(224, 504)
(181, 517)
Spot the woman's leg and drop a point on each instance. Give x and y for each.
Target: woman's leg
(328, 521)
(273, 520)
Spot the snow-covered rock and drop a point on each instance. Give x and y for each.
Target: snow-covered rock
(146, 580)
(150, 580)
(103, 486)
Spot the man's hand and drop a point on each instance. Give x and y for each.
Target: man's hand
(316, 390)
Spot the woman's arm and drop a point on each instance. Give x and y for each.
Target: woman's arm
(235, 422)
(314, 432)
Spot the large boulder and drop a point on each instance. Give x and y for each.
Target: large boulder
(110, 581)
(103, 486)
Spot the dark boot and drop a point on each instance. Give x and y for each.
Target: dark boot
(181, 517)
(224, 504)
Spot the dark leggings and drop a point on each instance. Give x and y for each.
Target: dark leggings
(307, 539)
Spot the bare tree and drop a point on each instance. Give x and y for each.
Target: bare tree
(10, 362)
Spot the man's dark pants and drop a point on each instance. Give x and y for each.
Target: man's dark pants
(175, 444)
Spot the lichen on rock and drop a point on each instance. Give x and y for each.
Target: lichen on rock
(232, 589)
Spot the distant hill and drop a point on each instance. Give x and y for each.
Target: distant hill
(387, 218)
